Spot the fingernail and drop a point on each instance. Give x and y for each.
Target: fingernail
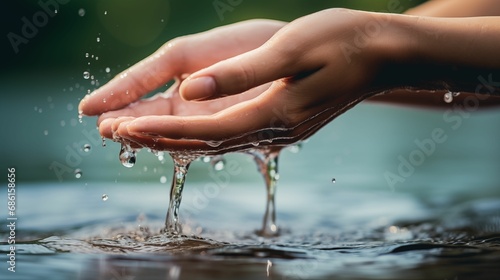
(198, 88)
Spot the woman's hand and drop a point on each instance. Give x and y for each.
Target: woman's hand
(175, 60)
(315, 77)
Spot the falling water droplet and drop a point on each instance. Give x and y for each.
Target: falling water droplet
(98, 39)
(334, 180)
(448, 97)
(86, 148)
(107, 70)
(81, 12)
(206, 159)
(86, 54)
(218, 163)
(78, 173)
(105, 12)
(45, 132)
(127, 156)
(104, 197)
(455, 94)
(80, 117)
(86, 75)
(103, 141)
(163, 179)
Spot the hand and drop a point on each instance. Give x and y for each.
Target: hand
(177, 58)
(313, 82)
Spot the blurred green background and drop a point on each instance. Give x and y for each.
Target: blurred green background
(43, 82)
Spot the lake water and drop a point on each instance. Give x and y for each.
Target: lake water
(441, 222)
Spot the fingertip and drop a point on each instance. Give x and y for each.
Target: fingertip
(198, 88)
(105, 128)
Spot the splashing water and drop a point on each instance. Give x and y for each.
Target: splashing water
(181, 167)
(267, 164)
(127, 155)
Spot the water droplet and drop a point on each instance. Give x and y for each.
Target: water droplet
(104, 100)
(163, 179)
(127, 156)
(334, 180)
(63, 123)
(206, 159)
(218, 163)
(107, 70)
(69, 106)
(295, 148)
(86, 54)
(78, 173)
(97, 58)
(80, 117)
(98, 39)
(255, 144)
(103, 141)
(214, 144)
(86, 148)
(448, 97)
(160, 156)
(104, 197)
(455, 94)
(105, 12)
(81, 12)
(86, 75)
(45, 132)
(55, 11)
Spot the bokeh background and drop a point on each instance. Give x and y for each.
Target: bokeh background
(42, 83)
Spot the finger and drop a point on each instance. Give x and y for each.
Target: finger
(183, 55)
(267, 63)
(105, 128)
(235, 121)
(157, 105)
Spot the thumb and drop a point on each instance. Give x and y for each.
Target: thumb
(238, 74)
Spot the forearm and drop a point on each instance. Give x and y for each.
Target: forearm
(457, 8)
(424, 53)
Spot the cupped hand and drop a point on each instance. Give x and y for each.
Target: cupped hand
(174, 60)
(313, 80)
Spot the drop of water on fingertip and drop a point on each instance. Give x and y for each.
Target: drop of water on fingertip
(78, 173)
(214, 144)
(104, 197)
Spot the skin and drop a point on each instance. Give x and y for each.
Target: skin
(267, 83)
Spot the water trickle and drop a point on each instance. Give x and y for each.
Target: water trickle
(127, 156)
(104, 197)
(86, 75)
(448, 97)
(181, 167)
(86, 148)
(78, 173)
(80, 117)
(267, 165)
(81, 12)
